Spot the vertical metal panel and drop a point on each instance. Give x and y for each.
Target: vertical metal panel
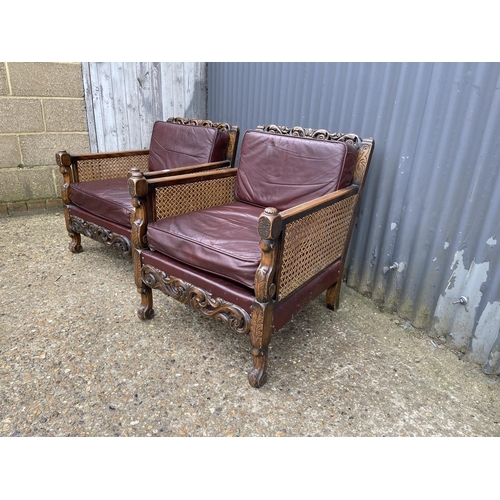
(432, 202)
(123, 100)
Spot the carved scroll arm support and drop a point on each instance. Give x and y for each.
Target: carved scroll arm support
(138, 189)
(65, 163)
(269, 227)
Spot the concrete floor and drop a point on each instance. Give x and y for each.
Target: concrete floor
(76, 361)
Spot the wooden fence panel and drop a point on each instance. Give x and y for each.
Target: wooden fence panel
(124, 99)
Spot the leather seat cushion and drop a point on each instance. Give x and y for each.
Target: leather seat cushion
(175, 145)
(284, 171)
(109, 198)
(222, 240)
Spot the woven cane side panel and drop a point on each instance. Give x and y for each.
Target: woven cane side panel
(181, 198)
(110, 168)
(312, 243)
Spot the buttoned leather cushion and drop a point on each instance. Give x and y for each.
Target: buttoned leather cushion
(223, 240)
(284, 171)
(109, 198)
(175, 145)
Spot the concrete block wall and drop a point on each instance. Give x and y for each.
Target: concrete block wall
(42, 110)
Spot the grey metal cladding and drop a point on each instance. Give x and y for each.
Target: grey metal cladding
(432, 202)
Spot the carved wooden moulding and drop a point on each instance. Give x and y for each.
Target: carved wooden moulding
(320, 134)
(364, 153)
(203, 123)
(100, 234)
(200, 300)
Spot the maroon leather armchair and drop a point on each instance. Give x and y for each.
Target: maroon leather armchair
(96, 199)
(252, 246)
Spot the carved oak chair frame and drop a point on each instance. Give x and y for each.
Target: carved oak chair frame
(101, 166)
(284, 282)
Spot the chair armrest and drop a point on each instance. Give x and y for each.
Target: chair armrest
(304, 209)
(307, 238)
(99, 166)
(217, 165)
(111, 154)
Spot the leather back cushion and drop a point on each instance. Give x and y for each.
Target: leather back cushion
(175, 145)
(284, 171)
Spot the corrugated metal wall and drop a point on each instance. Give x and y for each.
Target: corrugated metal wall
(432, 201)
(124, 99)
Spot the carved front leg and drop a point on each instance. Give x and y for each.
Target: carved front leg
(75, 245)
(260, 336)
(145, 310)
(262, 309)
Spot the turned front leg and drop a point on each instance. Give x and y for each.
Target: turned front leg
(260, 336)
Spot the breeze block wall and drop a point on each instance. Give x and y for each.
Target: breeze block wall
(42, 110)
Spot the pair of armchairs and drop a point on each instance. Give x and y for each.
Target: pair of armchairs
(252, 246)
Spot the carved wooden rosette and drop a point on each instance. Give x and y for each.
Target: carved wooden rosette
(216, 308)
(116, 241)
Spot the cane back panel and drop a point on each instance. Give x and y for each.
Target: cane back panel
(110, 168)
(181, 198)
